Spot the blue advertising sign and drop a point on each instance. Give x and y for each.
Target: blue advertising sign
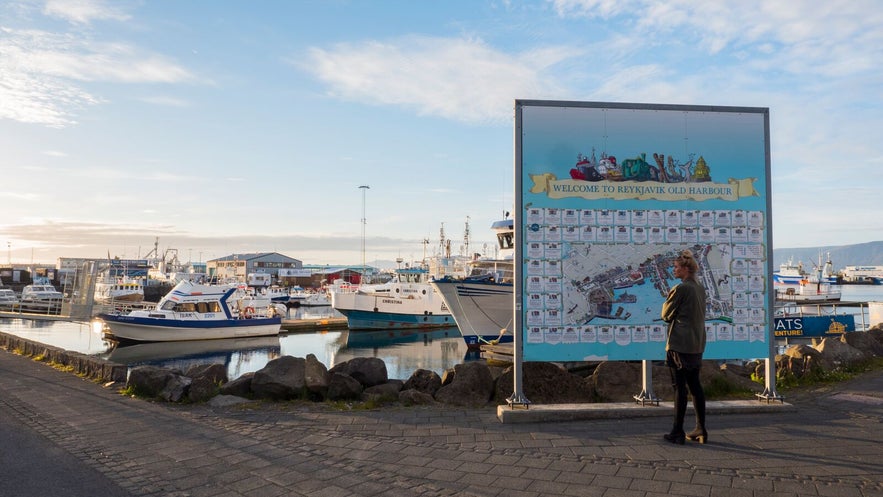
(813, 326)
(608, 195)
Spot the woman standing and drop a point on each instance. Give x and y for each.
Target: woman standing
(684, 311)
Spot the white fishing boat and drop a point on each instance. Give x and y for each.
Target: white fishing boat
(298, 296)
(318, 298)
(789, 273)
(809, 293)
(482, 302)
(121, 289)
(41, 293)
(8, 299)
(823, 272)
(407, 301)
(191, 311)
(812, 289)
(277, 294)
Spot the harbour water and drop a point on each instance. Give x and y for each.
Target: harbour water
(403, 351)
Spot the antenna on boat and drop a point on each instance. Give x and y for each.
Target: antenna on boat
(364, 188)
(441, 240)
(466, 237)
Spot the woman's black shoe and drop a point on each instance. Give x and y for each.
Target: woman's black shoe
(698, 435)
(675, 438)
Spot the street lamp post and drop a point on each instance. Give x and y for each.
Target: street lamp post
(364, 189)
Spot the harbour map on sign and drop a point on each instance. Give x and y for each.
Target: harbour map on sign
(599, 278)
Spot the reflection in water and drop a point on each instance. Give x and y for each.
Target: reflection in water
(403, 351)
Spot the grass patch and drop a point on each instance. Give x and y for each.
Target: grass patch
(721, 388)
(786, 380)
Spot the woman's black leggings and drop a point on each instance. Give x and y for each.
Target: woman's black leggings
(685, 379)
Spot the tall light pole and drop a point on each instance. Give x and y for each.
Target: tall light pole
(364, 189)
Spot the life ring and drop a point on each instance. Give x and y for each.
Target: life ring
(248, 312)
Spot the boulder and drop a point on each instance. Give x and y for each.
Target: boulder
(413, 397)
(368, 371)
(151, 381)
(281, 379)
(840, 353)
(385, 391)
(343, 387)
(206, 380)
(876, 334)
(175, 389)
(216, 373)
(617, 381)
(240, 387)
(424, 381)
(865, 342)
(316, 377)
(545, 383)
(471, 385)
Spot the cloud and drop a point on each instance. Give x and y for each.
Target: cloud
(44, 76)
(802, 36)
(165, 101)
(84, 11)
(460, 79)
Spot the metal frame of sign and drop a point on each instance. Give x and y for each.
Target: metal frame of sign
(606, 196)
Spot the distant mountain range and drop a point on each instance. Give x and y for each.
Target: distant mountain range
(861, 254)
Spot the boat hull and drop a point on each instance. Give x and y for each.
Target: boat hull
(142, 329)
(481, 309)
(368, 320)
(370, 311)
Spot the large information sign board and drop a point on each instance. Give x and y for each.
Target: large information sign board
(608, 195)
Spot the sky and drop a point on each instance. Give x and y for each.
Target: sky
(217, 127)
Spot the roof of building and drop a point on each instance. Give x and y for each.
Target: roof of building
(250, 256)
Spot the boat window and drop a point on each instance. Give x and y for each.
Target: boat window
(506, 240)
(201, 307)
(185, 307)
(214, 307)
(168, 306)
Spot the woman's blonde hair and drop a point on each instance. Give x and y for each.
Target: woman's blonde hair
(687, 260)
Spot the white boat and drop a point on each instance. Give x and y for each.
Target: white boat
(191, 311)
(122, 289)
(482, 302)
(815, 288)
(277, 294)
(823, 273)
(407, 301)
(298, 296)
(808, 293)
(316, 299)
(8, 299)
(41, 293)
(789, 273)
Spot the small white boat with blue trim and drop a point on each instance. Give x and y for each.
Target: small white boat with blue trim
(407, 301)
(191, 311)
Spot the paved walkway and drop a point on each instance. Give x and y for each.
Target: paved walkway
(831, 444)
